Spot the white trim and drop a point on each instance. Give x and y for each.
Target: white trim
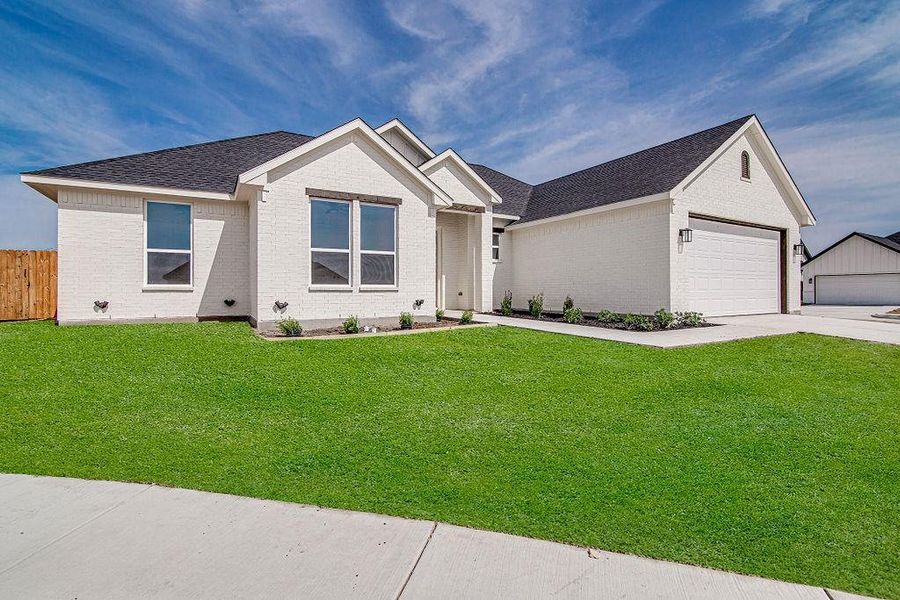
(386, 286)
(32, 180)
(409, 135)
(357, 125)
(348, 251)
(147, 286)
(773, 158)
(591, 211)
(451, 154)
(502, 216)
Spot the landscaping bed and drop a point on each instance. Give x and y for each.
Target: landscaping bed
(618, 323)
(444, 323)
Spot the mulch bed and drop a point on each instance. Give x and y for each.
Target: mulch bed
(591, 321)
(308, 333)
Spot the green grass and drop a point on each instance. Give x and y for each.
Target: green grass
(778, 457)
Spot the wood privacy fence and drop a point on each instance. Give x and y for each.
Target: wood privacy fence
(27, 284)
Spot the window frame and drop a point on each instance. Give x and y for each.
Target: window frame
(496, 246)
(745, 165)
(348, 251)
(379, 286)
(189, 252)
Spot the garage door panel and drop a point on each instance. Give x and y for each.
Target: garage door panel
(732, 269)
(874, 289)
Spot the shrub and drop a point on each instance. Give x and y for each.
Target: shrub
(568, 304)
(406, 320)
(664, 318)
(608, 316)
(536, 305)
(573, 315)
(641, 322)
(290, 327)
(466, 317)
(351, 324)
(690, 319)
(506, 304)
(439, 314)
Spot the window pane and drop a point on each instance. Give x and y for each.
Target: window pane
(496, 240)
(168, 226)
(377, 227)
(331, 268)
(330, 224)
(166, 268)
(377, 269)
(496, 253)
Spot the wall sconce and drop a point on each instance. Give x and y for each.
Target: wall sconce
(418, 303)
(101, 304)
(229, 301)
(798, 249)
(280, 305)
(686, 235)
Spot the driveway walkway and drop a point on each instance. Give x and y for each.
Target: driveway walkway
(732, 328)
(70, 538)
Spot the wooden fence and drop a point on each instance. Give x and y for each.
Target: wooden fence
(27, 285)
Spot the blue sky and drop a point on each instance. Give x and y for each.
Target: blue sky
(535, 89)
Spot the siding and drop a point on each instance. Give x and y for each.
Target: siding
(855, 256)
(398, 141)
(101, 257)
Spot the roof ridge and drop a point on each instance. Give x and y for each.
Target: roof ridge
(678, 139)
(160, 150)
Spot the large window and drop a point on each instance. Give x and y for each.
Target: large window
(168, 243)
(378, 245)
(330, 242)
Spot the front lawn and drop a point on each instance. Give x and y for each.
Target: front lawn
(778, 457)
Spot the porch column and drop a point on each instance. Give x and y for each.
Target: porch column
(483, 285)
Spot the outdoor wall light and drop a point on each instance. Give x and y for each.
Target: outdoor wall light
(280, 305)
(101, 304)
(229, 301)
(418, 303)
(686, 235)
(798, 249)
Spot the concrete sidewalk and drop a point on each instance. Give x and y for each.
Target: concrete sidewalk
(69, 538)
(730, 328)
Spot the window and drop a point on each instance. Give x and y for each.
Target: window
(745, 165)
(167, 242)
(329, 242)
(495, 244)
(378, 244)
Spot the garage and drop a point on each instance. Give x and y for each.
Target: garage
(869, 289)
(733, 269)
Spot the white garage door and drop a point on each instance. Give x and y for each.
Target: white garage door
(877, 289)
(732, 269)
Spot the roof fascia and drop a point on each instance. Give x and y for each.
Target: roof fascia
(35, 181)
(356, 125)
(408, 134)
(592, 211)
(451, 154)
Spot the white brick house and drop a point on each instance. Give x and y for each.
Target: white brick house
(371, 222)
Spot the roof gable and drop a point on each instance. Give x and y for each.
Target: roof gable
(450, 156)
(890, 242)
(397, 126)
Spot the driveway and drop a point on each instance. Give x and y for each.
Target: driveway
(70, 538)
(855, 313)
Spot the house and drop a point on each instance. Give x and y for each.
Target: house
(859, 269)
(373, 222)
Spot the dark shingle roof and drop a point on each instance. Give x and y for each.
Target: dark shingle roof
(513, 192)
(894, 237)
(209, 167)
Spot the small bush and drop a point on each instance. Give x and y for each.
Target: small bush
(439, 314)
(690, 319)
(406, 320)
(290, 327)
(568, 304)
(536, 305)
(466, 317)
(506, 304)
(351, 324)
(573, 315)
(664, 318)
(640, 322)
(608, 316)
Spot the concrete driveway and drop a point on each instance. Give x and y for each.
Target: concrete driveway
(855, 313)
(70, 538)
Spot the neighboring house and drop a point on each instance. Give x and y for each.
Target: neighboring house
(859, 269)
(372, 222)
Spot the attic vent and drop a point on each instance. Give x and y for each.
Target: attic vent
(745, 165)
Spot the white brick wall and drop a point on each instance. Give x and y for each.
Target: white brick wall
(616, 260)
(349, 164)
(720, 192)
(458, 185)
(457, 252)
(101, 257)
